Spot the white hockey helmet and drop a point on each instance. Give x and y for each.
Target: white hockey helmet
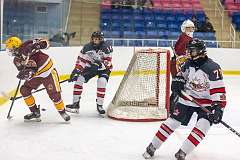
(185, 24)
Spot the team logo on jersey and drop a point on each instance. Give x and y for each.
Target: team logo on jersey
(199, 85)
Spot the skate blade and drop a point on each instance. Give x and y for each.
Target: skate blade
(146, 155)
(33, 120)
(72, 110)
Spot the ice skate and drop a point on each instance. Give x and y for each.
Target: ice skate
(33, 117)
(100, 109)
(180, 155)
(73, 108)
(149, 153)
(64, 115)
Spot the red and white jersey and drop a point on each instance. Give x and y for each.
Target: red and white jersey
(89, 56)
(205, 84)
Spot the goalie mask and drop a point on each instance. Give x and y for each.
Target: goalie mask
(12, 45)
(97, 39)
(196, 50)
(188, 27)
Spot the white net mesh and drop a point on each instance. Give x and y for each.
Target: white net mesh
(143, 94)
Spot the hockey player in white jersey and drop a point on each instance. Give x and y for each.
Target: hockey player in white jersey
(95, 59)
(201, 78)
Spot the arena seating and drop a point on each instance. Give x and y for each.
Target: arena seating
(161, 22)
(233, 9)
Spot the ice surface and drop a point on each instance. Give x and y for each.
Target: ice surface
(90, 137)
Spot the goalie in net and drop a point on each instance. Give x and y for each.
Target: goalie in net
(143, 94)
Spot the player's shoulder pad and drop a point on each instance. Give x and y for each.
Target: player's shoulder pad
(212, 69)
(86, 47)
(106, 48)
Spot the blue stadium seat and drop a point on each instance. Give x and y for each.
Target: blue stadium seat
(163, 34)
(162, 26)
(106, 11)
(150, 25)
(116, 26)
(105, 26)
(139, 26)
(160, 18)
(116, 11)
(116, 34)
(209, 36)
(199, 35)
(170, 18)
(152, 34)
(173, 35)
(173, 27)
(138, 18)
(129, 34)
(212, 44)
(137, 12)
(140, 34)
(126, 11)
(105, 16)
(107, 34)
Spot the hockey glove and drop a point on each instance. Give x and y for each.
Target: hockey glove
(217, 113)
(25, 74)
(75, 73)
(178, 83)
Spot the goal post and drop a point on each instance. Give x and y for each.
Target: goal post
(143, 94)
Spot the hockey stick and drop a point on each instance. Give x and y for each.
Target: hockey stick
(207, 111)
(9, 112)
(38, 90)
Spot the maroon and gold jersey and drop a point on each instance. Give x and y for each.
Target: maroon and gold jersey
(39, 62)
(181, 44)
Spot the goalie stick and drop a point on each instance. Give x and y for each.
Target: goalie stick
(207, 111)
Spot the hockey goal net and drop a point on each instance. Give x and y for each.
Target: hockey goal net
(143, 94)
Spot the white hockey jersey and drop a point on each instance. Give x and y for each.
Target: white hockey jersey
(205, 84)
(89, 56)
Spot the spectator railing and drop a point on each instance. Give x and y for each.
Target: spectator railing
(126, 42)
(232, 35)
(218, 10)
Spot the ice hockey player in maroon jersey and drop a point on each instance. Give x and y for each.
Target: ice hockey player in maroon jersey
(36, 68)
(187, 29)
(180, 55)
(95, 59)
(201, 78)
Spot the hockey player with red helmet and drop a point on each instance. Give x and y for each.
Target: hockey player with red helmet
(201, 78)
(36, 68)
(95, 59)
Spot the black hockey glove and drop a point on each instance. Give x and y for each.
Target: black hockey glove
(217, 113)
(26, 74)
(75, 73)
(178, 83)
